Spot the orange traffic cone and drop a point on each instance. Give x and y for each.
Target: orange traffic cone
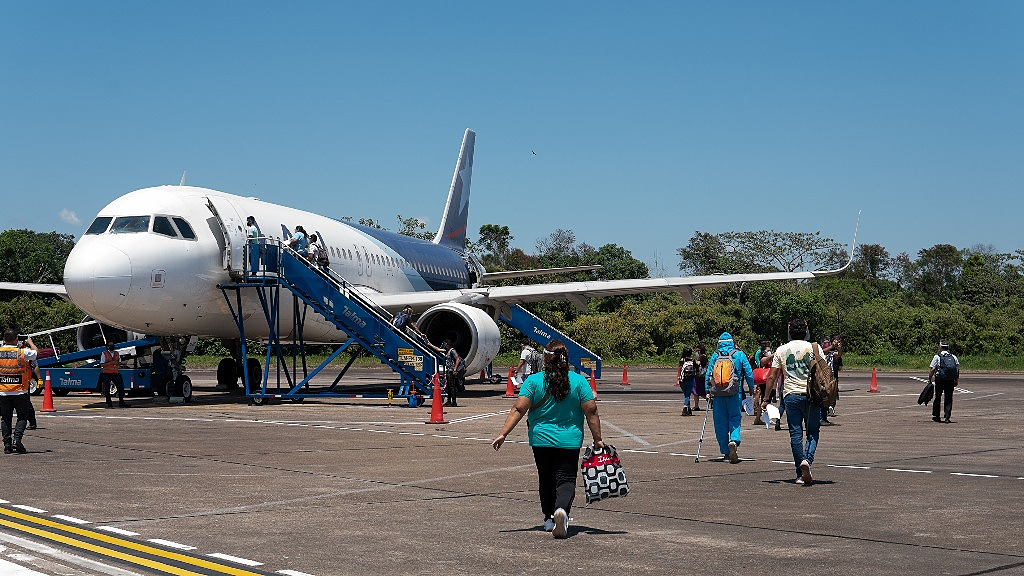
(436, 410)
(625, 376)
(593, 385)
(874, 381)
(510, 390)
(48, 395)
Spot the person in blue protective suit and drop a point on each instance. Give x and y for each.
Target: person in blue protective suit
(727, 406)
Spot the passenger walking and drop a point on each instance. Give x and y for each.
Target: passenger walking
(556, 402)
(945, 372)
(300, 242)
(15, 378)
(110, 361)
(699, 387)
(832, 351)
(454, 372)
(687, 379)
(761, 365)
(252, 234)
(730, 370)
(527, 361)
(792, 361)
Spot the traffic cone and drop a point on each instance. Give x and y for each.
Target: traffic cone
(436, 409)
(593, 385)
(874, 381)
(48, 395)
(483, 374)
(625, 376)
(510, 390)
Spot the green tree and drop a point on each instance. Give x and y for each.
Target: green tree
(413, 227)
(34, 257)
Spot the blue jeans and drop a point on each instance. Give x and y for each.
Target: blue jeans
(687, 387)
(728, 413)
(802, 414)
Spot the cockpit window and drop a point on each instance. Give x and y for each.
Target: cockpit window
(99, 225)
(161, 225)
(126, 224)
(184, 228)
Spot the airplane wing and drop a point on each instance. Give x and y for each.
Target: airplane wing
(580, 292)
(57, 289)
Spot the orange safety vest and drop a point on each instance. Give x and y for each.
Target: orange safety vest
(110, 360)
(15, 371)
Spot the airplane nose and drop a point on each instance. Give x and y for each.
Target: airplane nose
(97, 278)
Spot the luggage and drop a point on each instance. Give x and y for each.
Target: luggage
(926, 394)
(602, 474)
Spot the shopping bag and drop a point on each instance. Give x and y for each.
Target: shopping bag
(748, 405)
(603, 476)
(770, 415)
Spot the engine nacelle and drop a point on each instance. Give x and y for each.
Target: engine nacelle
(92, 336)
(472, 332)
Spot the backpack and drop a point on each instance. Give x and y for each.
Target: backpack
(322, 259)
(689, 369)
(822, 387)
(536, 361)
(725, 378)
(947, 368)
(400, 320)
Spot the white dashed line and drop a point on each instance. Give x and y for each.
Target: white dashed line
(29, 508)
(851, 467)
(292, 573)
(973, 475)
(911, 471)
(118, 531)
(235, 559)
(170, 544)
(71, 519)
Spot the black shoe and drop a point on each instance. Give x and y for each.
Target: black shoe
(936, 419)
(20, 448)
(947, 421)
(8, 449)
(825, 422)
(123, 404)
(32, 426)
(110, 404)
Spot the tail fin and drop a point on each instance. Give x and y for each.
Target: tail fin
(452, 231)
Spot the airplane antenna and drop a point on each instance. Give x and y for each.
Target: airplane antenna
(183, 173)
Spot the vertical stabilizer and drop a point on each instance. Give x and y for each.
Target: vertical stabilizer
(452, 231)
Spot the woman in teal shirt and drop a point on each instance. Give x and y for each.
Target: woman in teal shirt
(556, 402)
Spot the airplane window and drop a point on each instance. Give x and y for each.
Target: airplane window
(99, 225)
(127, 224)
(184, 228)
(161, 225)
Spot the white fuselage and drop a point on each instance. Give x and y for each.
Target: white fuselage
(146, 275)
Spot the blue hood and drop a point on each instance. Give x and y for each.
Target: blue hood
(725, 344)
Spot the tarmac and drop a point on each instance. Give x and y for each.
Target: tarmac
(336, 487)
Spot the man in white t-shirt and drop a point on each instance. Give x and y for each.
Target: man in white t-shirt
(793, 362)
(945, 372)
(525, 368)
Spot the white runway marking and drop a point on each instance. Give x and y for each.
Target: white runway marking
(71, 519)
(973, 475)
(851, 467)
(170, 544)
(292, 573)
(626, 433)
(235, 559)
(118, 531)
(11, 569)
(911, 471)
(29, 508)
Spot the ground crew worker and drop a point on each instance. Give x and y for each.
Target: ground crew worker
(15, 376)
(110, 360)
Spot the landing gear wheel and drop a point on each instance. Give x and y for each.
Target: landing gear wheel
(258, 401)
(255, 375)
(227, 374)
(184, 384)
(298, 400)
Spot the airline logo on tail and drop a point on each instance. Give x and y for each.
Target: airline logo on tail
(452, 231)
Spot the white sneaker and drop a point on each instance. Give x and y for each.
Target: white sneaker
(799, 480)
(549, 524)
(733, 457)
(561, 520)
(805, 471)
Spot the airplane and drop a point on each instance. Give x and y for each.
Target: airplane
(152, 261)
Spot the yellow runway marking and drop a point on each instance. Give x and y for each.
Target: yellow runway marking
(114, 541)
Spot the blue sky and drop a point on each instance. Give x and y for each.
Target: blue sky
(649, 120)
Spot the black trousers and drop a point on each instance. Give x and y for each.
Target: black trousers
(117, 379)
(943, 388)
(556, 477)
(21, 404)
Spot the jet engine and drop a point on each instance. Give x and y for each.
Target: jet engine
(473, 333)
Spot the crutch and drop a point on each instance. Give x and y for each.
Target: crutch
(705, 425)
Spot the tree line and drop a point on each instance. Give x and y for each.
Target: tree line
(883, 306)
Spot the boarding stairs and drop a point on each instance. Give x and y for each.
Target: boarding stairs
(541, 332)
(280, 270)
